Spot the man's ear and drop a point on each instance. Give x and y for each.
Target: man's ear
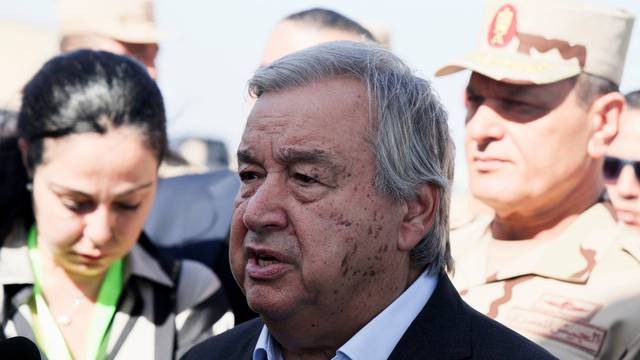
(604, 115)
(420, 216)
(24, 153)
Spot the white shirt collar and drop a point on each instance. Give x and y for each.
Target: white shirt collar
(266, 348)
(378, 338)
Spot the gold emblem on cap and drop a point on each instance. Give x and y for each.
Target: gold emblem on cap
(501, 25)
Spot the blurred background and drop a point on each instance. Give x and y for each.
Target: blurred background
(209, 50)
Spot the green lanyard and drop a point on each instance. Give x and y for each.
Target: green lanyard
(53, 342)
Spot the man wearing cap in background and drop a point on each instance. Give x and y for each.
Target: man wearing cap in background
(542, 106)
(123, 27)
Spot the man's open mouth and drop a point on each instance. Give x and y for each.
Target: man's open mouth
(266, 264)
(266, 260)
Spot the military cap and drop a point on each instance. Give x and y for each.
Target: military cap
(544, 41)
(131, 21)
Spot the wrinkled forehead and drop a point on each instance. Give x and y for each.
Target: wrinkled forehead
(330, 115)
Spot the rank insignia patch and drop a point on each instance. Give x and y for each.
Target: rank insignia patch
(503, 26)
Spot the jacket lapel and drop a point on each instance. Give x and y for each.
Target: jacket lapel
(442, 330)
(252, 335)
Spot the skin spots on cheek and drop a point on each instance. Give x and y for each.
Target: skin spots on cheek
(376, 229)
(345, 173)
(346, 271)
(340, 220)
(345, 266)
(381, 250)
(369, 272)
(373, 261)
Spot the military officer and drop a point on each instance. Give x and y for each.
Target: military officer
(542, 106)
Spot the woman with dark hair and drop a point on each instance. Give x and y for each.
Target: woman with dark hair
(80, 278)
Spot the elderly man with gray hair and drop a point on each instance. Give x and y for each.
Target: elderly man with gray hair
(339, 233)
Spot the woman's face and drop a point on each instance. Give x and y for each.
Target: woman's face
(91, 195)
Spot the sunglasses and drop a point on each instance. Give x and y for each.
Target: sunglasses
(613, 166)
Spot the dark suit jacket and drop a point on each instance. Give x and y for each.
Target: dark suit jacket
(446, 328)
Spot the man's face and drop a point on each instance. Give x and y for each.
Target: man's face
(624, 191)
(526, 145)
(290, 36)
(310, 234)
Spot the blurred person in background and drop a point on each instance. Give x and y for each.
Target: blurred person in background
(622, 165)
(123, 27)
(542, 107)
(25, 48)
(79, 276)
(308, 28)
(204, 152)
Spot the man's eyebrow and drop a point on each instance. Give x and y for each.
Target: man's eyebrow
(60, 188)
(310, 156)
(517, 91)
(502, 89)
(245, 157)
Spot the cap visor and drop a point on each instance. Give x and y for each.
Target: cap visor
(142, 37)
(135, 33)
(513, 67)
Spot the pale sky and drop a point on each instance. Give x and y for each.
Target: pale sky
(212, 47)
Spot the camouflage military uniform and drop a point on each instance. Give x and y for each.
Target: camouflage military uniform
(577, 295)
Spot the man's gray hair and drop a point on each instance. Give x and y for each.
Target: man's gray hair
(411, 140)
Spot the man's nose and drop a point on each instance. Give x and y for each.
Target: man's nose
(99, 225)
(265, 210)
(484, 126)
(627, 185)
